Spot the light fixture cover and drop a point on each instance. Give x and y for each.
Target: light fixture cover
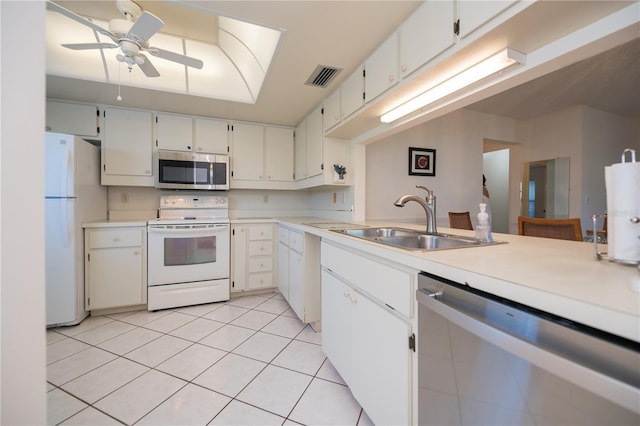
(473, 74)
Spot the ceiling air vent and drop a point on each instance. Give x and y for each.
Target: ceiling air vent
(322, 76)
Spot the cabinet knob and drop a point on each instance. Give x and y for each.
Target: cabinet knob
(347, 294)
(403, 68)
(135, 253)
(392, 77)
(354, 300)
(188, 147)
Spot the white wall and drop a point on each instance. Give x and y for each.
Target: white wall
(458, 139)
(592, 139)
(496, 170)
(605, 137)
(143, 202)
(22, 307)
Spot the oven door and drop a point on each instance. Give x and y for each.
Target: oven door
(181, 253)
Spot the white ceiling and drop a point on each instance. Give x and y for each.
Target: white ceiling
(344, 33)
(334, 33)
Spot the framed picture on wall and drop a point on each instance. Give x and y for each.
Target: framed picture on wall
(422, 161)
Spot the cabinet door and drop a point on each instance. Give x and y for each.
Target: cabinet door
(368, 345)
(247, 152)
(296, 283)
(278, 145)
(332, 112)
(315, 137)
(474, 14)
(427, 33)
(351, 93)
(116, 278)
(72, 119)
(239, 258)
(338, 327)
(283, 270)
(381, 68)
(174, 132)
(210, 136)
(300, 151)
(127, 147)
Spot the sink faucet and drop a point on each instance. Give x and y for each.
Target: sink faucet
(428, 204)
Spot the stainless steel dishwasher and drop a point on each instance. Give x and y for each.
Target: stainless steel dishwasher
(484, 360)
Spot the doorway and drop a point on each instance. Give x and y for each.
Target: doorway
(496, 170)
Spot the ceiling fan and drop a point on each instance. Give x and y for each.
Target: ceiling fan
(131, 35)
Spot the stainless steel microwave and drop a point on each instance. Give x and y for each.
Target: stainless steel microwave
(185, 170)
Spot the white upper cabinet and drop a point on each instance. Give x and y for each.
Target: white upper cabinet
(381, 68)
(127, 146)
(351, 93)
(332, 111)
(261, 156)
(211, 136)
(278, 147)
(474, 14)
(300, 151)
(247, 154)
(174, 132)
(314, 142)
(425, 34)
(72, 119)
(191, 134)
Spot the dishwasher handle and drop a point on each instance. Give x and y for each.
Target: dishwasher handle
(607, 387)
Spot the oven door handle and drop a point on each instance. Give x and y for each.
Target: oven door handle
(161, 229)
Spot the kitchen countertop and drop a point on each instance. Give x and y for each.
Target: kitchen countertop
(556, 276)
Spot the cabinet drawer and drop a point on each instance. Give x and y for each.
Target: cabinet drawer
(261, 232)
(283, 235)
(260, 264)
(296, 241)
(261, 280)
(115, 238)
(390, 284)
(261, 248)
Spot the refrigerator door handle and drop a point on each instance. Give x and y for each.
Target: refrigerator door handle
(66, 231)
(67, 177)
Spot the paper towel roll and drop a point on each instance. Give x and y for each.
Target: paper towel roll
(622, 182)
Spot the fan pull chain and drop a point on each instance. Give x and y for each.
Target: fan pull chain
(119, 98)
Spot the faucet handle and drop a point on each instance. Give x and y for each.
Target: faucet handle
(426, 189)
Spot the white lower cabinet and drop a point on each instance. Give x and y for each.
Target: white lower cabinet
(368, 341)
(299, 273)
(252, 264)
(115, 267)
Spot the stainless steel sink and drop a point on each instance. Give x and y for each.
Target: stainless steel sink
(411, 239)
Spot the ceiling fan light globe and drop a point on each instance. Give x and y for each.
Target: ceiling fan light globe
(139, 60)
(119, 57)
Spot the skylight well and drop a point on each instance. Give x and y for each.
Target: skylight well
(234, 67)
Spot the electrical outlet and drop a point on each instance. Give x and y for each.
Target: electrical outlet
(124, 197)
(266, 199)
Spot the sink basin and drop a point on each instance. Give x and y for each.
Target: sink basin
(411, 239)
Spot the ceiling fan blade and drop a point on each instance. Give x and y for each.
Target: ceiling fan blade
(85, 46)
(147, 67)
(175, 57)
(146, 26)
(69, 14)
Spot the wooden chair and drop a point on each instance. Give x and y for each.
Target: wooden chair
(601, 234)
(460, 220)
(563, 229)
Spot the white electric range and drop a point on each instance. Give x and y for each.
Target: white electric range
(189, 251)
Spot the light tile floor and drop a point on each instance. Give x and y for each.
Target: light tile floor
(249, 361)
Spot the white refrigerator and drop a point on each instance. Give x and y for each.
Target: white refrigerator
(73, 195)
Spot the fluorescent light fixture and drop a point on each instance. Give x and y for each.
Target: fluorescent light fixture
(477, 72)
